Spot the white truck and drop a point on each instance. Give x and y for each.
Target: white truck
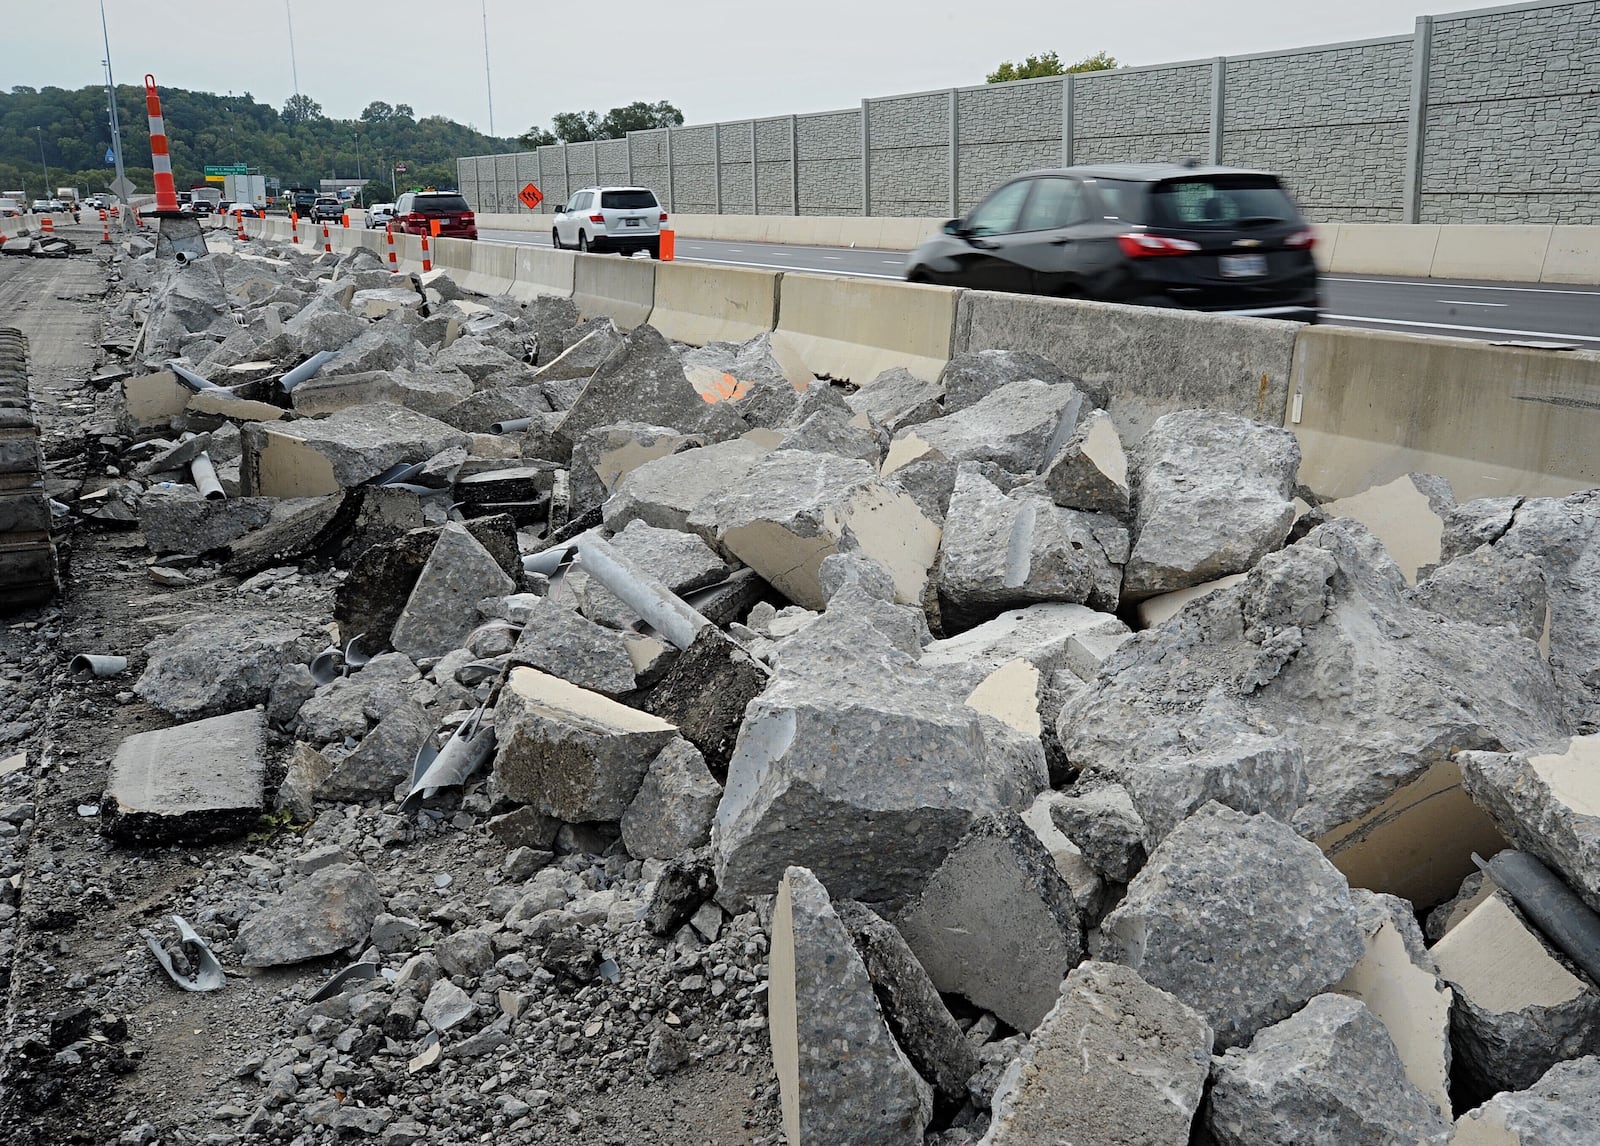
(69, 196)
(251, 189)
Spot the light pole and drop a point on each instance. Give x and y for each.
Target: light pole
(358, 156)
(40, 131)
(124, 218)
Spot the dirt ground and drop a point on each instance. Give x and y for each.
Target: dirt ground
(161, 1065)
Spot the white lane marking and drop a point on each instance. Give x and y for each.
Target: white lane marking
(733, 250)
(1540, 334)
(1464, 286)
(832, 258)
(785, 267)
(1468, 302)
(894, 262)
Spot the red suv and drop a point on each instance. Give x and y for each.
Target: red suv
(415, 212)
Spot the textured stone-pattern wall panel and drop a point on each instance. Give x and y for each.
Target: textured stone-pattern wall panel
(1513, 125)
(555, 180)
(736, 142)
(694, 170)
(1146, 106)
(505, 182)
(650, 163)
(830, 163)
(613, 158)
(775, 193)
(737, 195)
(909, 139)
(582, 164)
(467, 180)
(1332, 123)
(1004, 130)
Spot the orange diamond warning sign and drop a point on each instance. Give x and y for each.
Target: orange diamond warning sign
(531, 196)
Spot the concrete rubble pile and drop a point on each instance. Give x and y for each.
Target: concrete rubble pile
(983, 776)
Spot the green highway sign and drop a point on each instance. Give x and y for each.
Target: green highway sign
(229, 169)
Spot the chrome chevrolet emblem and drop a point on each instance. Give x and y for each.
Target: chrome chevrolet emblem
(1247, 242)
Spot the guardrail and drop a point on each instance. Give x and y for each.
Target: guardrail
(1367, 406)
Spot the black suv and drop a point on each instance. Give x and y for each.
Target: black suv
(1214, 239)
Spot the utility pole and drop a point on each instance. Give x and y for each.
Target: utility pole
(294, 68)
(358, 156)
(40, 132)
(124, 219)
(483, 6)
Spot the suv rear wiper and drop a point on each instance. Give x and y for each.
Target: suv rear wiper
(1251, 221)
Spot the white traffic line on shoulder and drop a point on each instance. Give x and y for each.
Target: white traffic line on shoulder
(1468, 302)
(787, 267)
(1435, 284)
(1544, 335)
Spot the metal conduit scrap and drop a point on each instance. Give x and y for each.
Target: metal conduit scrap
(28, 568)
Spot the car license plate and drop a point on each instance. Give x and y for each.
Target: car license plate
(633, 222)
(1243, 266)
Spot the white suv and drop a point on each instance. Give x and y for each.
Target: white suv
(622, 219)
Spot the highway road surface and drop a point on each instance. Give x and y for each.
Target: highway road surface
(1510, 312)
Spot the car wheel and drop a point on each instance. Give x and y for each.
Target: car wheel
(654, 250)
(583, 241)
(555, 238)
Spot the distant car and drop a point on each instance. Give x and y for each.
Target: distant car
(10, 208)
(1215, 239)
(57, 205)
(621, 219)
(40, 207)
(326, 209)
(248, 210)
(203, 207)
(416, 211)
(380, 215)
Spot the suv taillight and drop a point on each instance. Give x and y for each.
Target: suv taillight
(1141, 245)
(597, 218)
(1301, 240)
(663, 216)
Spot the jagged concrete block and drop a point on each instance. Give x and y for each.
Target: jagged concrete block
(558, 641)
(997, 924)
(898, 398)
(1091, 471)
(1519, 1009)
(1329, 1073)
(643, 380)
(842, 1078)
(583, 354)
(1115, 1062)
(314, 456)
(571, 753)
(917, 1016)
(1051, 637)
(474, 358)
(384, 758)
(1104, 825)
(792, 510)
(663, 492)
(604, 455)
(428, 392)
(968, 378)
(1238, 917)
(1561, 1109)
(190, 783)
(706, 693)
(219, 665)
(675, 805)
(1546, 803)
(1211, 496)
(1019, 427)
(1001, 552)
(328, 911)
(1088, 888)
(179, 519)
(767, 383)
(832, 432)
(441, 611)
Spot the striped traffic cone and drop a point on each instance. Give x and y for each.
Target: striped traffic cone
(105, 227)
(160, 158)
(294, 226)
(394, 263)
(238, 217)
(47, 225)
(327, 243)
(427, 259)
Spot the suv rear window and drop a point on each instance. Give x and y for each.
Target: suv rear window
(627, 200)
(1221, 202)
(440, 205)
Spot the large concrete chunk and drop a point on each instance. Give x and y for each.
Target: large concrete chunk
(898, 398)
(571, 753)
(1233, 688)
(644, 380)
(1000, 551)
(604, 455)
(1328, 1074)
(219, 665)
(1050, 637)
(764, 380)
(188, 784)
(1547, 803)
(179, 519)
(1238, 917)
(442, 609)
(793, 509)
(842, 1078)
(969, 378)
(997, 923)
(313, 456)
(385, 757)
(1211, 496)
(916, 1014)
(330, 910)
(706, 693)
(1091, 471)
(664, 491)
(558, 641)
(1019, 427)
(1561, 1109)
(1519, 1009)
(1115, 1062)
(675, 805)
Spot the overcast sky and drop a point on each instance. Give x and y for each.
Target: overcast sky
(714, 59)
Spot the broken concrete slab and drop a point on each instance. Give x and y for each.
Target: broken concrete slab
(180, 519)
(792, 510)
(996, 923)
(643, 380)
(219, 665)
(969, 378)
(897, 398)
(476, 359)
(1050, 637)
(307, 769)
(299, 528)
(1211, 496)
(1102, 823)
(385, 758)
(325, 913)
(831, 432)
(431, 393)
(485, 408)
(1115, 1061)
(313, 456)
(1546, 803)
(583, 354)
(674, 807)
(344, 708)
(768, 380)
(1244, 941)
(1406, 514)
(1091, 470)
(842, 1078)
(323, 324)
(1329, 1073)
(441, 610)
(1001, 552)
(1561, 1109)
(1519, 1008)
(664, 491)
(1019, 427)
(572, 753)
(1493, 587)
(604, 455)
(706, 693)
(558, 641)
(191, 783)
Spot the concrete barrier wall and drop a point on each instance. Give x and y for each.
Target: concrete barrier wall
(1149, 360)
(1369, 407)
(538, 271)
(622, 289)
(791, 230)
(854, 329)
(697, 303)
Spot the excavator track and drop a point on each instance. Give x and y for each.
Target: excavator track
(28, 571)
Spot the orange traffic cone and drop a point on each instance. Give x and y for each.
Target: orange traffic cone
(394, 263)
(294, 226)
(427, 259)
(238, 217)
(47, 225)
(105, 227)
(327, 243)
